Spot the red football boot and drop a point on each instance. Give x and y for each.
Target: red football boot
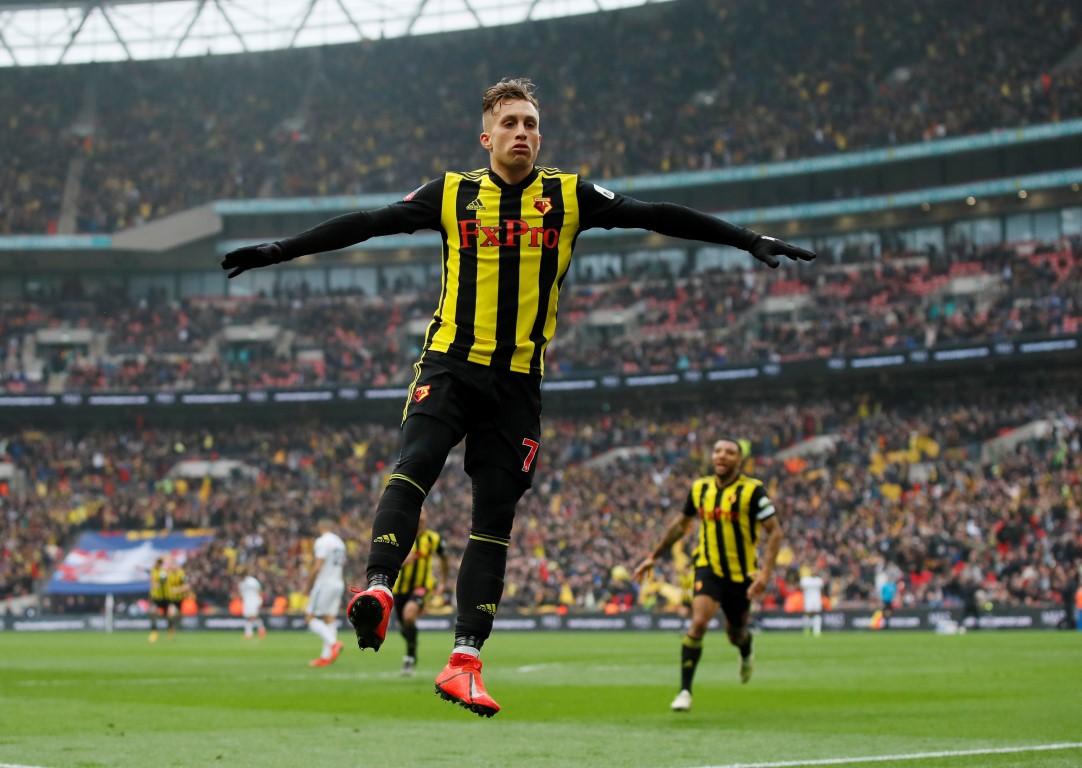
(460, 682)
(369, 612)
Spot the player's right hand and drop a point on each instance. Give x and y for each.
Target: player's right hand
(643, 568)
(252, 256)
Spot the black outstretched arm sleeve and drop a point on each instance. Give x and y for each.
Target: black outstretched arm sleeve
(607, 210)
(343, 231)
(680, 221)
(419, 210)
(600, 207)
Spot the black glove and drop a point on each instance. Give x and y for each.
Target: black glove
(252, 256)
(767, 249)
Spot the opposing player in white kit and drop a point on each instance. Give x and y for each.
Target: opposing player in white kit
(326, 585)
(811, 584)
(251, 598)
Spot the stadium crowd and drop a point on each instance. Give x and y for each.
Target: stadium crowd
(670, 322)
(128, 142)
(913, 492)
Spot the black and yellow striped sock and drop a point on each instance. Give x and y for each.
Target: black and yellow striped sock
(690, 653)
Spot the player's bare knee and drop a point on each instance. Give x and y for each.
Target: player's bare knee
(697, 631)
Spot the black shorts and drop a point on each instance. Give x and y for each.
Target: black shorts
(402, 599)
(163, 606)
(733, 596)
(497, 411)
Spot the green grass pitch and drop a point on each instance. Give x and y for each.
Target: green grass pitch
(997, 699)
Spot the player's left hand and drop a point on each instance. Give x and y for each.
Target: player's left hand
(251, 257)
(767, 250)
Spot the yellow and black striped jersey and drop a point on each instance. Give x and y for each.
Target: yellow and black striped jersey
(730, 517)
(157, 583)
(417, 569)
(176, 584)
(506, 251)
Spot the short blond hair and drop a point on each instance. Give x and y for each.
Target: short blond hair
(509, 89)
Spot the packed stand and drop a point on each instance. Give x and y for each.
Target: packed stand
(696, 321)
(684, 90)
(40, 136)
(909, 491)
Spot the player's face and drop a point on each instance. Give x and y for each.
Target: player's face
(513, 138)
(726, 458)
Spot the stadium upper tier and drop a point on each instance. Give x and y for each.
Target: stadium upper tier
(680, 86)
(646, 322)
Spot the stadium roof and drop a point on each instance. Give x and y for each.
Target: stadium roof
(79, 31)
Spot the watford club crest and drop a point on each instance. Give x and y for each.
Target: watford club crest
(421, 393)
(543, 204)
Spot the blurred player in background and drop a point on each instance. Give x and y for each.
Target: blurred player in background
(416, 585)
(811, 586)
(732, 509)
(508, 232)
(168, 588)
(177, 589)
(251, 599)
(157, 598)
(326, 585)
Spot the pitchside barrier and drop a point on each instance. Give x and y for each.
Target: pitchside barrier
(945, 621)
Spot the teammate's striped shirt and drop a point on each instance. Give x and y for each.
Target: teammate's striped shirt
(175, 585)
(157, 583)
(417, 570)
(729, 523)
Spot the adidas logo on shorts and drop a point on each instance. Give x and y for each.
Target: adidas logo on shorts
(387, 538)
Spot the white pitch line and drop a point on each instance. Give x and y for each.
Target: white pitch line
(898, 758)
(845, 760)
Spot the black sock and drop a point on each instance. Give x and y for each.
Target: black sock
(690, 653)
(470, 641)
(745, 648)
(394, 528)
(409, 632)
(379, 579)
(480, 587)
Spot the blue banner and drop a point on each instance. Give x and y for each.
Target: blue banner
(100, 563)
